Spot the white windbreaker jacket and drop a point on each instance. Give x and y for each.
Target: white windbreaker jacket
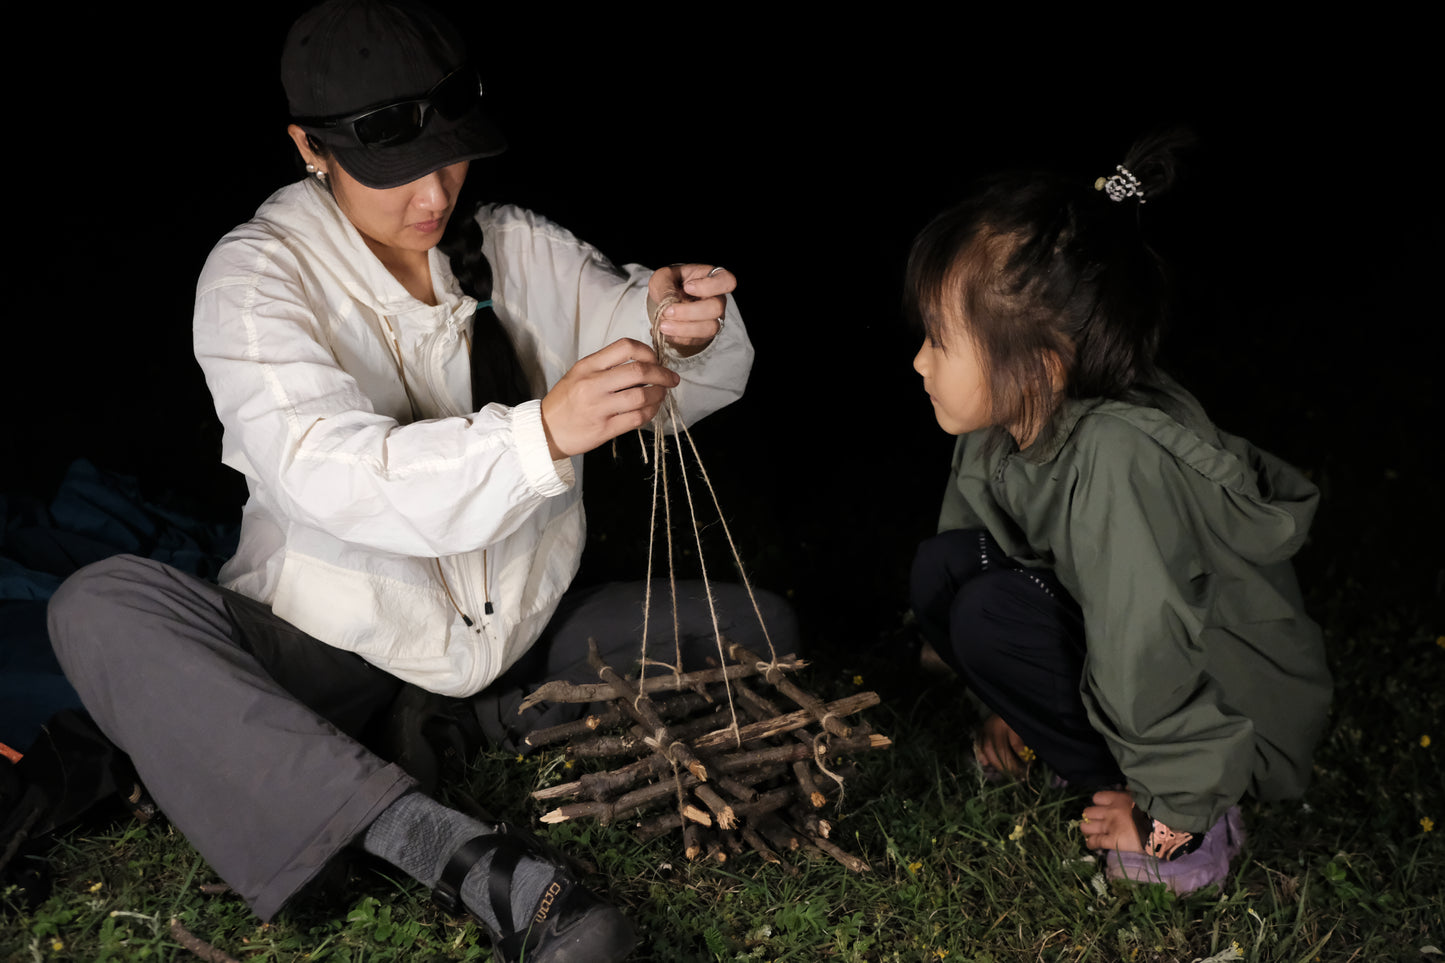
(361, 518)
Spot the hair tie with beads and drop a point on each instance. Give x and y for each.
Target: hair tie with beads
(1121, 185)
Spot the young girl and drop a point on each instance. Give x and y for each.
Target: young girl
(1112, 573)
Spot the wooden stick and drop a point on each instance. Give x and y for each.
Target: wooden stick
(766, 803)
(846, 858)
(642, 709)
(674, 708)
(726, 818)
(787, 723)
(696, 814)
(737, 788)
(570, 730)
(664, 823)
(775, 677)
(760, 846)
(778, 832)
(600, 785)
(197, 946)
(602, 747)
(691, 837)
(808, 785)
(559, 691)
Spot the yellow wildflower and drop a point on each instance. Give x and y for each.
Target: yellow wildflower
(857, 680)
(914, 867)
(96, 888)
(1027, 754)
(567, 764)
(57, 945)
(1427, 824)
(1424, 742)
(1017, 834)
(519, 757)
(940, 954)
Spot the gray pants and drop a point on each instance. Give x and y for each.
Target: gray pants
(262, 785)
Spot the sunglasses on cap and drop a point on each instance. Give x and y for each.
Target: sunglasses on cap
(402, 121)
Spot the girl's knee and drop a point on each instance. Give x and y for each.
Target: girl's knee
(977, 627)
(944, 562)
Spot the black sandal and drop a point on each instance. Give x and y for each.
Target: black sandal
(1161, 842)
(570, 923)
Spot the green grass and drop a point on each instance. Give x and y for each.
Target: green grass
(960, 870)
(1349, 873)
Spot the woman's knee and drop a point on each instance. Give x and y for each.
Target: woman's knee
(754, 621)
(87, 598)
(101, 606)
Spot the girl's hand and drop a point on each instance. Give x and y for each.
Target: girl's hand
(604, 395)
(1000, 747)
(697, 317)
(1109, 823)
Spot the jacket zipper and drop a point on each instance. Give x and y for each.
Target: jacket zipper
(445, 336)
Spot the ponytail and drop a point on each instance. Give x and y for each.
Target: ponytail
(497, 374)
(1039, 265)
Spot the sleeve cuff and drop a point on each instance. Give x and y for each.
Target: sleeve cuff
(546, 476)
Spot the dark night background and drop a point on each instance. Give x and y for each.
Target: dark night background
(803, 152)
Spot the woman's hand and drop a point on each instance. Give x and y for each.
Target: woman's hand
(697, 317)
(997, 745)
(604, 395)
(1109, 823)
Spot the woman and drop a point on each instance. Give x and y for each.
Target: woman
(414, 516)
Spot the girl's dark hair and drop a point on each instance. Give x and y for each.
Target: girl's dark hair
(1038, 266)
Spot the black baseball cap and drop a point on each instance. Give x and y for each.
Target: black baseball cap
(385, 86)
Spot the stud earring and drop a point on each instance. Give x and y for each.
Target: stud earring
(320, 174)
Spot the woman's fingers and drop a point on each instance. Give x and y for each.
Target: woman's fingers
(699, 289)
(617, 353)
(607, 393)
(706, 280)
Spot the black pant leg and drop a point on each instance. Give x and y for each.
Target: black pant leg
(1016, 637)
(340, 686)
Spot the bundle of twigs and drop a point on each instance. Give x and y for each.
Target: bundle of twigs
(712, 753)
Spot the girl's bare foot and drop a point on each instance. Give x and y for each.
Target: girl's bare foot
(1109, 823)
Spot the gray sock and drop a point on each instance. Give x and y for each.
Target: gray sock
(417, 835)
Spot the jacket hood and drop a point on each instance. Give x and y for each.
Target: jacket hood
(1259, 505)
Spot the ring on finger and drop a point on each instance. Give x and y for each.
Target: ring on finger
(716, 271)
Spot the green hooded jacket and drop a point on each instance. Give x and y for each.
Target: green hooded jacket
(1203, 673)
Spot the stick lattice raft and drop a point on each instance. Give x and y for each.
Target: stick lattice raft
(729, 785)
(761, 782)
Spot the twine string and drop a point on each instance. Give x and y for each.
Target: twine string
(820, 757)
